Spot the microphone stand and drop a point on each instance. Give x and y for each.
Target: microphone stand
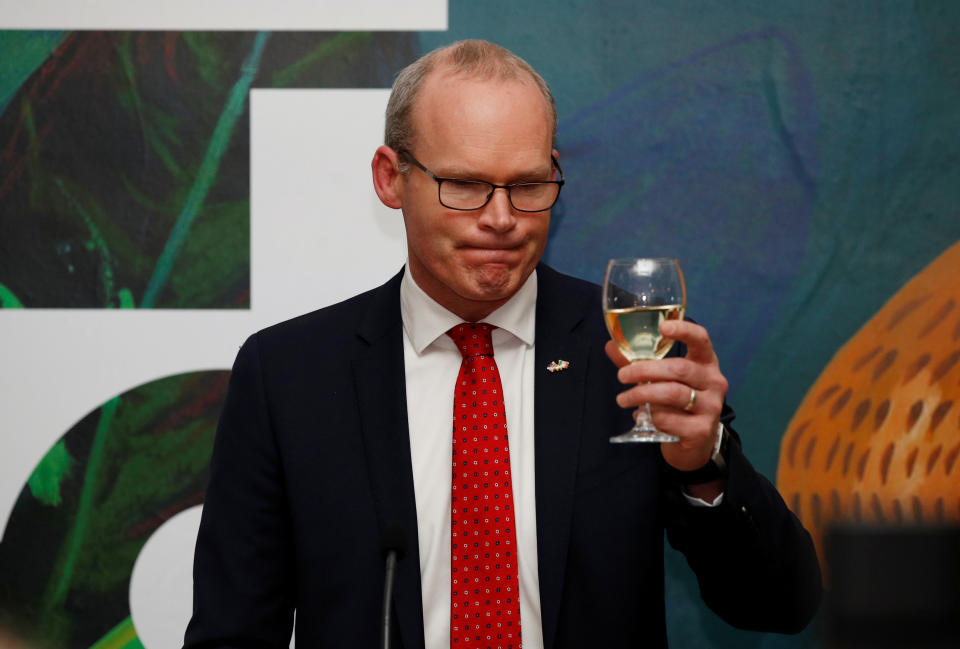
(393, 542)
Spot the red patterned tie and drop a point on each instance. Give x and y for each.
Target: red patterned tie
(485, 595)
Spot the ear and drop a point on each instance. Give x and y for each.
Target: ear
(387, 179)
(553, 173)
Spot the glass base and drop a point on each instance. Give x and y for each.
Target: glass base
(643, 434)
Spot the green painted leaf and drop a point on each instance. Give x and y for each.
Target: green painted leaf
(53, 468)
(8, 300)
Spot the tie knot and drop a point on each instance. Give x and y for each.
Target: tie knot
(473, 338)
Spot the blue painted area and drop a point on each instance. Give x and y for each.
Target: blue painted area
(661, 162)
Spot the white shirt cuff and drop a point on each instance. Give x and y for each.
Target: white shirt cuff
(717, 459)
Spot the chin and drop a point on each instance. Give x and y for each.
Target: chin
(498, 282)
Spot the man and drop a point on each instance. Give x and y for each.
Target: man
(337, 427)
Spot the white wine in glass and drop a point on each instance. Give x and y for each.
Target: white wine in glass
(638, 296)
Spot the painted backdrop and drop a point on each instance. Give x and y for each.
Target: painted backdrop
(800, 159)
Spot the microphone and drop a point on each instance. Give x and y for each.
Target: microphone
(393, 543)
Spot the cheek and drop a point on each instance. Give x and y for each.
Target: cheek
(429, 240)
(539, 231)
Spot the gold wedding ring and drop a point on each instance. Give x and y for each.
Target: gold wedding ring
(693, 400)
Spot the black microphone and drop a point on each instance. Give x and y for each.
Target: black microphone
(393, 543)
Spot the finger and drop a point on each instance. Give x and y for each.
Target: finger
(680, 423)
(698, 429)
(615, 355)
(680, 370)
(674, 396)
(695, 337)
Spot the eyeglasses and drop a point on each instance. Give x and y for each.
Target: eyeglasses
(461, 194)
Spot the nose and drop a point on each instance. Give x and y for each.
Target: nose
(498, 214)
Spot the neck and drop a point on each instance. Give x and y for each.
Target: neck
(466, 309)
(474, 314)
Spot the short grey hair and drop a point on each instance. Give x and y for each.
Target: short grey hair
(474, 58)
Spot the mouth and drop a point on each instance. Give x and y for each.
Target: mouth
(493, 246)
(496, 254)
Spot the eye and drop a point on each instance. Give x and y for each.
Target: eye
(472, 187)
(462, 185)
(531, 189)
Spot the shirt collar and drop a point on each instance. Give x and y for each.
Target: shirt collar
(424, 320)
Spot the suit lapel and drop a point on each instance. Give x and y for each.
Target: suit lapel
(380, 380)
(558, 411)
(379, 376)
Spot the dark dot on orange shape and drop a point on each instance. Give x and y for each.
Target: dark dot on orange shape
(888, 359)
(933, 457)
(915, 411)
(862, 464)
(808, 453)
(846, 457)
(859, 414)
(877, 508)
(885, 463)
(939, 414)
(914, 368)
(912, 460)
(840, 402)
(826, 394)
(880, 415)
(866, 358)
(897, 511)
(945, 366)
(905, 310)
(833, 453)
(951, 459)
(937, 318)
(792, 445)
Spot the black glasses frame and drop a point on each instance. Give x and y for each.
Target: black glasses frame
(493, 187)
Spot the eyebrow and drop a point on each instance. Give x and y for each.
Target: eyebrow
(539, 175)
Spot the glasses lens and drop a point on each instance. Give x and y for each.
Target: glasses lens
(534, 197)
(474, 194)
(464, 194)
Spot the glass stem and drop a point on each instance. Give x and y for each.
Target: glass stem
(644, 419)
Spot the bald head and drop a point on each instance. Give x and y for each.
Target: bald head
(472, 59)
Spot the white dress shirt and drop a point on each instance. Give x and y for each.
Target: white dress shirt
(431, 362)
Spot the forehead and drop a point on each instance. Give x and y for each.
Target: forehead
(458, 119)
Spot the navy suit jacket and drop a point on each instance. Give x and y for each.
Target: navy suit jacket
(312, 462)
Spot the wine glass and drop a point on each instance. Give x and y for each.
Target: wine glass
(638, 295)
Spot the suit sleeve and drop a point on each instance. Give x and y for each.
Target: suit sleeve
(755, 563)
(243, 571)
